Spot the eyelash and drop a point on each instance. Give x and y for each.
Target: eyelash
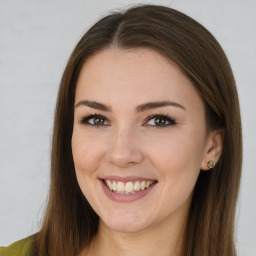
(85, 119)
(171, 121)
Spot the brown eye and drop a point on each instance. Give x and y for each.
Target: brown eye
(160, 121)
(95, 120)
(99, 121)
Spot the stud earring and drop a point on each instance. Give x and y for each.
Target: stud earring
(210, 164)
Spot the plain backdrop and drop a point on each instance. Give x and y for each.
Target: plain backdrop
(36, 39)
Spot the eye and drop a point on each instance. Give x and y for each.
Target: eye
(160, 121)
(95, 120)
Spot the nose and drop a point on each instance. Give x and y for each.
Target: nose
(124, 149)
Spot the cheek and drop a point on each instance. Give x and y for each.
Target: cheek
(177, 160)
(177, 152)
(86, 153)
(86, 156)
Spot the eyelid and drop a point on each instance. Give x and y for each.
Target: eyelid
(84, 120)
(170, 119)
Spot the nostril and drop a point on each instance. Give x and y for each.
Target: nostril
(123, 150)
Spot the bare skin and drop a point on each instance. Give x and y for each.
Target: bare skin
(167, 143)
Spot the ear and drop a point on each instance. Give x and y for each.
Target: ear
(213, 148)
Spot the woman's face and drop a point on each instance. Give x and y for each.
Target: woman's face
(139, 126)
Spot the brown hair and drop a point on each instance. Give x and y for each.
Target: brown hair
(70, 223)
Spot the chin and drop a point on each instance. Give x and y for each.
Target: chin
(127, 222)
(126, 227)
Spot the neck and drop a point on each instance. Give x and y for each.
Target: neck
(162, 239)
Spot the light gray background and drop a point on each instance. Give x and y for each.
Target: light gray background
(36, 39)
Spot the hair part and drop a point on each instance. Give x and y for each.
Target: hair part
(70, 223)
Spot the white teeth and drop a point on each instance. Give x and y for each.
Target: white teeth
(114, 186)
(136, 186)
(142, 185)
(120, 187)
(128, 187)
(147, 184)
(109, 184)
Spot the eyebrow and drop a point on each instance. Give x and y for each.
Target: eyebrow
(94, 104)
(140, 108)
(157, 104)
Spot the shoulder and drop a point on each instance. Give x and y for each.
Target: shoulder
(19, 248)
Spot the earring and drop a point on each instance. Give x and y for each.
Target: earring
(210, 164)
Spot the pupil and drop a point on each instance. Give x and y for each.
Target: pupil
(98, 121)
(160, 121)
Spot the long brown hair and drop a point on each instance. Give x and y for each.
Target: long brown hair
(69, 222)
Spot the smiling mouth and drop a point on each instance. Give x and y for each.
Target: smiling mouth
(129, 187)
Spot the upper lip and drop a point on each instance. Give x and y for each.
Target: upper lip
(126, 178)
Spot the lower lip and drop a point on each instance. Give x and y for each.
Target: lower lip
(125, 197)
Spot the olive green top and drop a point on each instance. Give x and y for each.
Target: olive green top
(19, 248)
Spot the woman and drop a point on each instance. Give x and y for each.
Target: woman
(147, 145)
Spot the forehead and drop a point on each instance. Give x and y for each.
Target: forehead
(133, 76)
